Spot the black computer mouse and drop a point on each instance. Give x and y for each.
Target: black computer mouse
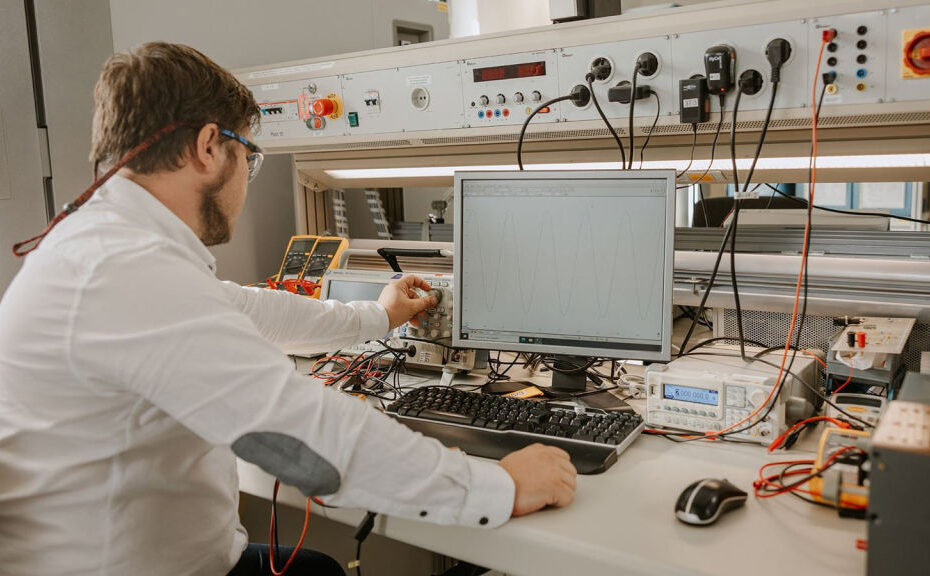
(704, 501)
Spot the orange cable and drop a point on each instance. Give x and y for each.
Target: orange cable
(807, 231)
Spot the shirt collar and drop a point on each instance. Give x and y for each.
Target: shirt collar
(153, 215)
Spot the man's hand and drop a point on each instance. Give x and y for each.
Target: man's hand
(543, 476)
(402, 302)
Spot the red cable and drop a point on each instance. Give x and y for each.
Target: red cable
(843, 385)
(778, 441)
(271, 543)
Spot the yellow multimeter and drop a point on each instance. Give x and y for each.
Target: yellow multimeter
(309, 257)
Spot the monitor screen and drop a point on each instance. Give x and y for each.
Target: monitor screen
(565, 263)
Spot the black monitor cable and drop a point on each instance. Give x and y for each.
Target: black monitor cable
(530, 117)
(589, 78)
(804, 203)
(652, 129)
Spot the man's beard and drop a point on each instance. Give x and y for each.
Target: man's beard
(215, 222)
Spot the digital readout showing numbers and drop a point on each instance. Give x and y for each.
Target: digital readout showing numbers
(690, 394)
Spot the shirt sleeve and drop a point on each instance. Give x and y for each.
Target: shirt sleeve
(301, 325)
(187, 348)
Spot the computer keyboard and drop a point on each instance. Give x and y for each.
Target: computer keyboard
(494, 426)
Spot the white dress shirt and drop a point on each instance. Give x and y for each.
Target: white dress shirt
(130, 378)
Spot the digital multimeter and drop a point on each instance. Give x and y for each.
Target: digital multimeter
(309, 257)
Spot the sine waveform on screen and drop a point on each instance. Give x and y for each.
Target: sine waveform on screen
(537, 259)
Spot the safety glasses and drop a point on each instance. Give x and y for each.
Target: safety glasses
(254, 159)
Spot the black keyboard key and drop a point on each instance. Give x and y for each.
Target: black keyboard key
(443, 416)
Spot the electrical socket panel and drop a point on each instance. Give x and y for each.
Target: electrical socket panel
(750, 42)
(413, 98)
(500, 91)
(575, 62)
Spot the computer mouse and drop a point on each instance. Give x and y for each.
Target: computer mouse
(704, 501)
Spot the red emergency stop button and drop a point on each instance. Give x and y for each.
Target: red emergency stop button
(324, 106)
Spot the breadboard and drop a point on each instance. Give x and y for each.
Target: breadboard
(882, 335)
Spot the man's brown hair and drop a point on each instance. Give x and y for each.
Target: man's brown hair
(156, 85)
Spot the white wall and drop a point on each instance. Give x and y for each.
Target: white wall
(74, 43)
(241, 33)
(22, 201)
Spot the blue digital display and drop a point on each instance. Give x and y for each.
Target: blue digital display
(690, 394)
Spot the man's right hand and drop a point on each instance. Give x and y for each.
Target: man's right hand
(542, 475)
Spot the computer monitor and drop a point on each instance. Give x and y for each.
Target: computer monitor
(568, 263)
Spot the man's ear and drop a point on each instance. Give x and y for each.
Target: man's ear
(206, 153)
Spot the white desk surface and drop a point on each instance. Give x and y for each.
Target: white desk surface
(622, 522)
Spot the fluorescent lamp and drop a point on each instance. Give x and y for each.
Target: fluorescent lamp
(795, 163)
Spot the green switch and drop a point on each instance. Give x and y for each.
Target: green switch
(353, 119)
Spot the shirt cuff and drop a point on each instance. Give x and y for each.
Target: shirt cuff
(372, 320)
(489, 499)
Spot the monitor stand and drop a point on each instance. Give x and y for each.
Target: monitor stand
(571, 382)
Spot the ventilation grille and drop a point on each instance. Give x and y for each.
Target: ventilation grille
(361, 145)
(529, 137)
(668, 129)
(772, 329)
(374, 262)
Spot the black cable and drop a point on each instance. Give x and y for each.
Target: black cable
(358, 559)
(436, 342)
(729, 229)
(736, 207)
(610, 127)
(691, 159)
(710, 284)
(739, 95)
(703, 343)
(632, 106)
(765, 130)
(804, 203)
(713, 146)
(713, 152)
(527, 123)
(652, 129)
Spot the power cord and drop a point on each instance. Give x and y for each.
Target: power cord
(652, 129)
(361, 533)
(678, 175)
(526, 123)
(589, 79)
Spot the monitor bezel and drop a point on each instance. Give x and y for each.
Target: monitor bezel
(665, 347)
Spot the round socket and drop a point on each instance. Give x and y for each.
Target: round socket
(419, 98)
(648, 64)
(751, 82)
(581, 96)
(602, 69)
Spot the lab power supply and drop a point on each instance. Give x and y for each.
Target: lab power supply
(713, 388)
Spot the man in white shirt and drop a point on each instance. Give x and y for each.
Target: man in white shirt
(131, 378)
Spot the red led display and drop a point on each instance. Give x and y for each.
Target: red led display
(509, 71)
